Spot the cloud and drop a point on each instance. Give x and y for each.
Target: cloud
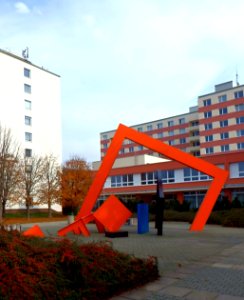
(22, 8)
(89, 20)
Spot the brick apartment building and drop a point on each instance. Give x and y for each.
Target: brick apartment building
(213, 130)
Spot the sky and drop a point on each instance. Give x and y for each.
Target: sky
(126, 61)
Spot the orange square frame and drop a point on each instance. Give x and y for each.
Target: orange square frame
(123, 132)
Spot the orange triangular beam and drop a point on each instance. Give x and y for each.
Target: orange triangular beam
(123, 132)
(34, 231)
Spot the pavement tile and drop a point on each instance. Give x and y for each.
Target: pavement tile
(159, 284)
(175, 291)
(137, 294)
(220, 265)
(119, 298)
(201, 295)
(228, 297)
(238, 267)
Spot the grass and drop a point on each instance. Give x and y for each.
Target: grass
(35, 217)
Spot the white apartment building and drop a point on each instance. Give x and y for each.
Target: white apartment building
(30, 105)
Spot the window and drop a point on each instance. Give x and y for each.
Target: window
(140, 148)
(139, 129)
(238, 94)
(240, 107)
(160, 135)
(27, 120)
(105, 136)
(240, 146)
(194, 175)
(131, 149)
(182, 121)
(225, 148)
(223, 111)
(167, 176)
(222, 98)
(28, 104)
(28, 169)
(194, 123)
(207, 102)
(122, 151)
(182, 141)
(149, 127)
(28, 136)
(160, 125)
(195, 133)
(240, 120)
(148, 178)
(171, 142)
(170, 123)
(223, 123)
(207, 114)
(105, 146)
(26, 72)
(27, 88)
(171, 133)
(241, 169)
(122, 180)
(208, 126)
(28, 152)
(195, 143)
(182, 130)
(209, 150)
(224, 135)
(208, 138)
(240, 132)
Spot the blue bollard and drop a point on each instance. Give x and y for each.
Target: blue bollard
(142, 218)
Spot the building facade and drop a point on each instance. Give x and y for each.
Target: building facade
(212, 130)
(30, 105)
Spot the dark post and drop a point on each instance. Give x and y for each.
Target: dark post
(159, 206)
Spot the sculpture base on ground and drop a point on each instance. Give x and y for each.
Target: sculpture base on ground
(116, 234)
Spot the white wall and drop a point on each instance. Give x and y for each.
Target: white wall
(45, 98)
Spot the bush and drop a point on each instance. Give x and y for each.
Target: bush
(232, 218)
(235, 218)
(183, 216)
(34, 268)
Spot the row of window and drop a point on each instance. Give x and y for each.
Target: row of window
(28, 107)
(223, 98)
(167, 176)
(224, 123)
(224, 148)
(224, 135)
(223, 111)
(159, 125)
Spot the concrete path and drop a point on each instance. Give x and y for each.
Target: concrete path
(192, 265)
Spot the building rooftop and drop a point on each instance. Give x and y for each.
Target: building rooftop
(26, 61)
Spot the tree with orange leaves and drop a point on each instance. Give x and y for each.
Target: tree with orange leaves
(76, 178)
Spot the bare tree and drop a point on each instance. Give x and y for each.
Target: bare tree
(9, 172)
(49, 190)
(32, 176)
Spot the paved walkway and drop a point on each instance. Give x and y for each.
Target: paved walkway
(192, 265)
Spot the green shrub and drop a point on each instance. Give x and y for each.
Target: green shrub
(184, 216)
(235, 218)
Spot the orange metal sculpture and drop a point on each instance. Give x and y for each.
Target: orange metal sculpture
(124, 132)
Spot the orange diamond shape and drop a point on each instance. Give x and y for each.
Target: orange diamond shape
(112, 214)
